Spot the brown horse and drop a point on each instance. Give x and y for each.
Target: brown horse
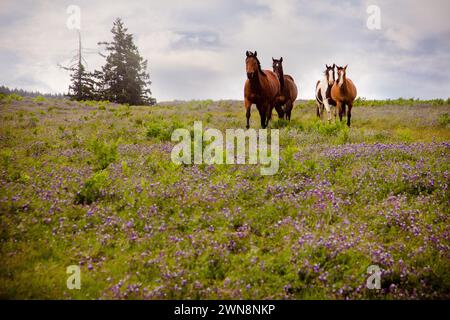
(261, 88)
(288, 90)
(344, 93)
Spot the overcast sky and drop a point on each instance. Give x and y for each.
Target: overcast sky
(196, 49)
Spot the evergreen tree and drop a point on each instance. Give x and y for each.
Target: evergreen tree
(82, 84)
(124, 76)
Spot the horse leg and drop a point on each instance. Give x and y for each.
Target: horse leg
(318, 109)
(344, 109)
(349, 113)
(328, 107)
(289, 107)
(339, 109)
(262, 115)
(248, 107)
(269, 114)
(280, 111)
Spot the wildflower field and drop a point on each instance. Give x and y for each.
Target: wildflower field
(92, 184)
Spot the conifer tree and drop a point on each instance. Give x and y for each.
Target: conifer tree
(124, 76)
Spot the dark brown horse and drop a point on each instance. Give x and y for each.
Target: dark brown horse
(261, 88)
(288, 90)
(344, 93)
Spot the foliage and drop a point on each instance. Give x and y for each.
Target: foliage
(97, 188)
(104, 152)
(83, 85)
(124, 76)
(92, 188)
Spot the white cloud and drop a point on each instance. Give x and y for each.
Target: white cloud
(196, 49)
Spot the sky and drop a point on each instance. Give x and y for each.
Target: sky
(196, 49)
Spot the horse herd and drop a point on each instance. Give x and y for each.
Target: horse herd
(273, 89)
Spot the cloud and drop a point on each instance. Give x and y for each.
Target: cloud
(196, 49)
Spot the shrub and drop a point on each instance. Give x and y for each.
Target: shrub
(13, 97)
(280, 123)
(444, 119)
(329, 129)
(39, 99)
(6, 156)
(92, 188)
(104, 152)
(162, 130)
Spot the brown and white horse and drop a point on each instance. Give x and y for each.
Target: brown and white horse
(344, 93)
(288, 90)
(323, 92)
(262, 87)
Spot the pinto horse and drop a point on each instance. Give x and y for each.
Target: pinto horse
(288, 90)
(323, 92)
(344, 93)
(262, 87)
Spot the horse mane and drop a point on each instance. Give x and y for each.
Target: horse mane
(281, 80)
(259, 67)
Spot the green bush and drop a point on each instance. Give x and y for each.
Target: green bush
(104, 152)
(6, 156)
(279, 123)
(444, 119)
(329, 129)
(12, 97)
(162, 130)
(39, 99)
(92, 188)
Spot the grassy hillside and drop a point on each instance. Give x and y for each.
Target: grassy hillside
(92, 184)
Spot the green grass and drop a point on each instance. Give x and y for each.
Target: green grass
(92, 184)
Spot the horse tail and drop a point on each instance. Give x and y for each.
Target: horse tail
(318, 94)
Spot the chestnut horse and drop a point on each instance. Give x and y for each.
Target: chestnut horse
(323, 92)
(288, 90)
(344, 93)
(261, 88)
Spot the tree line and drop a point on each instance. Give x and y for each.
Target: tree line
(32, 94)
(122, 79)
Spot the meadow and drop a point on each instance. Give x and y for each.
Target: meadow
(92, 184)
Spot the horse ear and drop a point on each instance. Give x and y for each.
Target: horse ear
(281, 59)
(326, 66)
(247, 53)
(334, 65)
(273, 60)
(255, 54)
(345, 68)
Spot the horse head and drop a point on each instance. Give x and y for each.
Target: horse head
(252, 65)
(329, 74)
(342, 74)
(277, 66)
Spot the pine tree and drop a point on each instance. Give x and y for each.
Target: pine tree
(83, 84)
(124, 76)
